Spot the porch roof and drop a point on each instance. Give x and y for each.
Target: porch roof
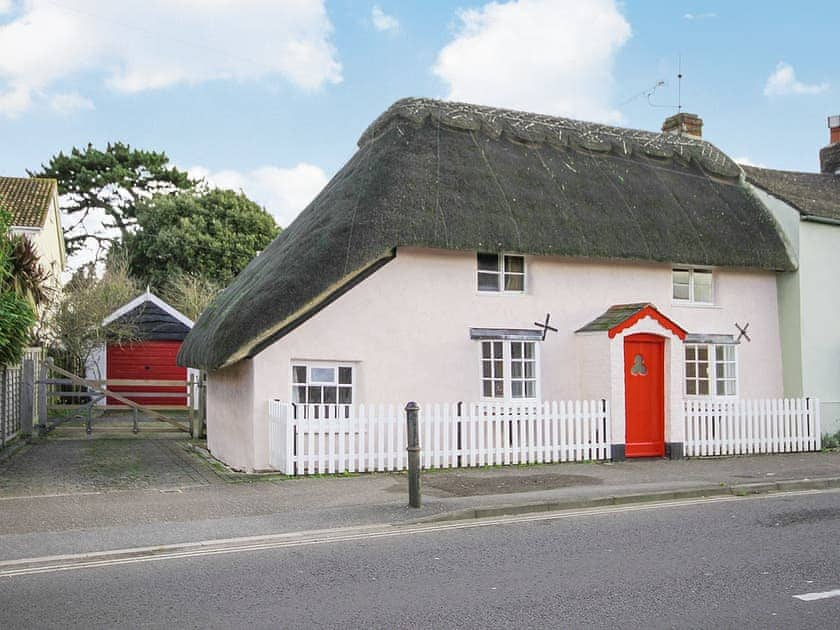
(618, 317)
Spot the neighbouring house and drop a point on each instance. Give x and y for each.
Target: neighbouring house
(426, 268)
(807, 207)
(33, 203)
(157, 331)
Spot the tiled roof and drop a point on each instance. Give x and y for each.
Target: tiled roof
(614, 316)
(27, 199)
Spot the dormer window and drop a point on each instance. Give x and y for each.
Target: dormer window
(693, 286)
(501, 273)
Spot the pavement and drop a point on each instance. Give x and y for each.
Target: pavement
(86, 495)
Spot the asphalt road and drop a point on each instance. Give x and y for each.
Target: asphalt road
(729, 563)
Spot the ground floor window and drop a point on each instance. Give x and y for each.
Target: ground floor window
(322, 383)
(509, 369)
(711, 370)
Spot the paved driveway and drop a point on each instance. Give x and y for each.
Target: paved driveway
(71, 466)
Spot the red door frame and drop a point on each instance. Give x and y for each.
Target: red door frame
(644, 396)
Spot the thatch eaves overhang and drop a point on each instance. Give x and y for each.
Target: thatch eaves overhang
(464, 177)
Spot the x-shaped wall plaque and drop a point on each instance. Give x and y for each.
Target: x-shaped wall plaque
(545, 326)
(742, 331)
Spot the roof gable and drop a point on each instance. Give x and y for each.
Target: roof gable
(151, 314)
(469, 178)
(28, 199)
(620, 317)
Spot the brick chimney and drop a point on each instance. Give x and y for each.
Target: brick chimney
(684, 124)
(830, 155)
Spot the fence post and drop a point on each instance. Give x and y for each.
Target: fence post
(202, 399)
(42, 397)
(4, 412)
(413, 449)
(195, 418)
(27, 398)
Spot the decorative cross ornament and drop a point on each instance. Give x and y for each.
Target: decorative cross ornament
(742, 331)
(545, 326)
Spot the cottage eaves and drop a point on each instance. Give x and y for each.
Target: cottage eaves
(470, 178)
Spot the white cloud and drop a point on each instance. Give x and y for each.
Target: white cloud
(284, 192)
(69, 102)
(699, 16)
(5, 6)
(548, 56)
(382, 21)
(783, 82)
(139, 46)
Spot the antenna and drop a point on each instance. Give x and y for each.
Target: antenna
(679, 83)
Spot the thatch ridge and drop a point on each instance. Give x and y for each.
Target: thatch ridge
(421, 182)
(812, 194)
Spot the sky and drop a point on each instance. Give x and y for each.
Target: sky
(270, 96)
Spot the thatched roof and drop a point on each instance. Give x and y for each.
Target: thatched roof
(465, 177)
(813, 194)
(27, 199)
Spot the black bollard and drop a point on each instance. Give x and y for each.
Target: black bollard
(411, 413)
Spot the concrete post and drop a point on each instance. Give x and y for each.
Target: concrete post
(413, 449)
(195, 418)
(27, 398)
(42, 398)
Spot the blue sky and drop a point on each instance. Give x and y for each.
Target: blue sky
(271, 95)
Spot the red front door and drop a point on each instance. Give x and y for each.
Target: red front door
(644, 395)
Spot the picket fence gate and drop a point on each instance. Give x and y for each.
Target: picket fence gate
(317, 439)
(739, 427)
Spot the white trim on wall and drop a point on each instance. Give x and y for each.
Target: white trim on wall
(148, 296)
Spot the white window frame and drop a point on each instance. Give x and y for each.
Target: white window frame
(507, 377)
(691, 285)
(500, 274)
(711, 376)
(337, 365)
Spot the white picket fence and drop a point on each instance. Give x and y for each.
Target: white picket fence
(737, 427)
(316, 439)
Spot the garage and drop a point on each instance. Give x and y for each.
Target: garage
(150, 356)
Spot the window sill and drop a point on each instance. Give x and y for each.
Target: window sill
(687, 304)
(501, 293)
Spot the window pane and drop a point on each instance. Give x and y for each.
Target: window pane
(702, 285)
(300, 394)
(486, 349)
(690, 353)
(499, 389)
(530, 389)
(719, 353)
(498, 367)
(488, 262)
(703, 353)
(529, 350)
(729, 353)
(730, 370)
(690, 370)
(322, 375)
(488, 281)
(488, 389)
(486, 369)
(299, 372)
(516, 369)
(345, 375)
(703, 388)
(729, 388)
(314, 395)
(720, 370)
(680, 282)
(345, 395)
(515, 264)
(529, 370)
(691, 388)
(330, 394)
(498, 349)
(516, 350)
(516, 389)
(514, 283)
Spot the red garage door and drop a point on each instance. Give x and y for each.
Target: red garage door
(147, 360)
